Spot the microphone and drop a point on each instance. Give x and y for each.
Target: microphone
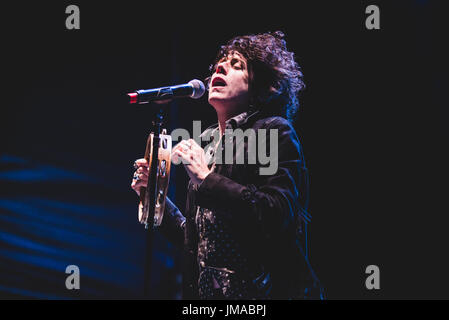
(194, 89)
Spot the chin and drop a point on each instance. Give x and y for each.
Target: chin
(215, 100)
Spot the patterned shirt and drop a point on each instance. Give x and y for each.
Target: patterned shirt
(225, 271)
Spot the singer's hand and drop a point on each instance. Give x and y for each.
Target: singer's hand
(140, 177)
(193, 158)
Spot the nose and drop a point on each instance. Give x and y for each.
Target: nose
(221, 69)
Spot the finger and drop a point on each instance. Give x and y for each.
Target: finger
(177, 147)
(195, 146)
(183, 156)
(138, 186)
(143, 170)
(141, 162)
(193, 143)
(175, 158)
(184, 145)
(140, 176)
(139, 183)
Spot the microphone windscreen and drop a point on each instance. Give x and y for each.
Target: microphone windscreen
(198, 88)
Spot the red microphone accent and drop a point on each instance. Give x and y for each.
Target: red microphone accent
(132, 97)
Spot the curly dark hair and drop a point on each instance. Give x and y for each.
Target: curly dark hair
(275, 78)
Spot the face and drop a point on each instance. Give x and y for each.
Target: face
(228, 90)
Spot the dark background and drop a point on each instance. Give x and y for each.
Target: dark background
(373, 124)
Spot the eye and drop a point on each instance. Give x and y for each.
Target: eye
(237, 64)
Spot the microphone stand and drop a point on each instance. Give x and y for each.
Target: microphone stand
(151, 197)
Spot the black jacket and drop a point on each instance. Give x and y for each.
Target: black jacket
(270, 212)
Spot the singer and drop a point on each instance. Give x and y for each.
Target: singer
(243, 233)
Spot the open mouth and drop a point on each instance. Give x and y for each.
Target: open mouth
(218, 82)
